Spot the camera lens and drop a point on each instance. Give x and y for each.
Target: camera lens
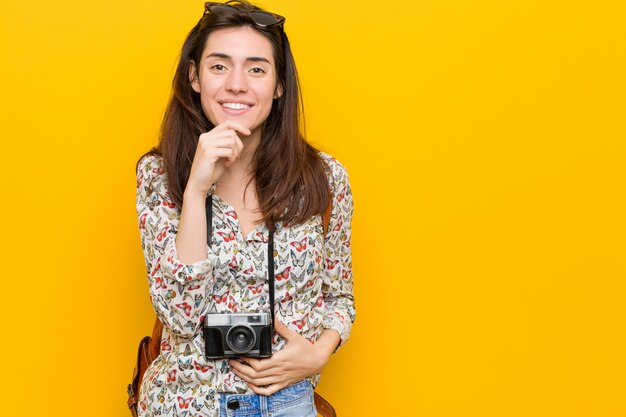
(240, 339)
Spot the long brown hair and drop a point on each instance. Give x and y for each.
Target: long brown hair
(289, 174)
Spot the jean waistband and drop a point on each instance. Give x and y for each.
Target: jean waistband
(280, 399)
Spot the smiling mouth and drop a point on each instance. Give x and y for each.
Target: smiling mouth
(235, 106)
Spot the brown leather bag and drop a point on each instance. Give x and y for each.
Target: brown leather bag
(150, 347)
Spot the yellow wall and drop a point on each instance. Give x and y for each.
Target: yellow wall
(485, 145)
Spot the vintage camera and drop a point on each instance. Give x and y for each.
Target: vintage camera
(231, 335)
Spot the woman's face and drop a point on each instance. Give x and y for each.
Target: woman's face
(237, 77)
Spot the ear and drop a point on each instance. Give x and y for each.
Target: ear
(279, 91)
(193, 77)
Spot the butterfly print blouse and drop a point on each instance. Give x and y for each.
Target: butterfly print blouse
(313, 287)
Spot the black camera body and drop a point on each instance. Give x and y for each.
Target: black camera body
(232, 335)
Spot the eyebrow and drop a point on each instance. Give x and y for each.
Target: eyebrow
(250, 58)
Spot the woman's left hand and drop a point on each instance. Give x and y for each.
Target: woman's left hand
(298, 359)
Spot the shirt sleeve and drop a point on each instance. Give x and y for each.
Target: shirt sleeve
(178, 291)
(337, 286)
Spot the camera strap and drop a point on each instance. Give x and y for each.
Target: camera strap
(270, 249)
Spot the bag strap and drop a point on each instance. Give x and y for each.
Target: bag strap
(157, 332)
(326, 215)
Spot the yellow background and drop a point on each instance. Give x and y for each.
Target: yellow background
(485, 145)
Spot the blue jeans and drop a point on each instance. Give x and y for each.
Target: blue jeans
(293, 401)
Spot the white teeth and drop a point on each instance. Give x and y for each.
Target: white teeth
(235, 106)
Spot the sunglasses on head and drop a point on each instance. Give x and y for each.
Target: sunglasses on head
(260, 18)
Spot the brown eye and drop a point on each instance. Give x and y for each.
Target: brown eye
(218, 65)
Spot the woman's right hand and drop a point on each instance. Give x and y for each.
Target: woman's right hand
(216, 150)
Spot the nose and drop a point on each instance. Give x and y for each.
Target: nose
(236, 82)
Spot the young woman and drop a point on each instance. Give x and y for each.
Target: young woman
(231, 143)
